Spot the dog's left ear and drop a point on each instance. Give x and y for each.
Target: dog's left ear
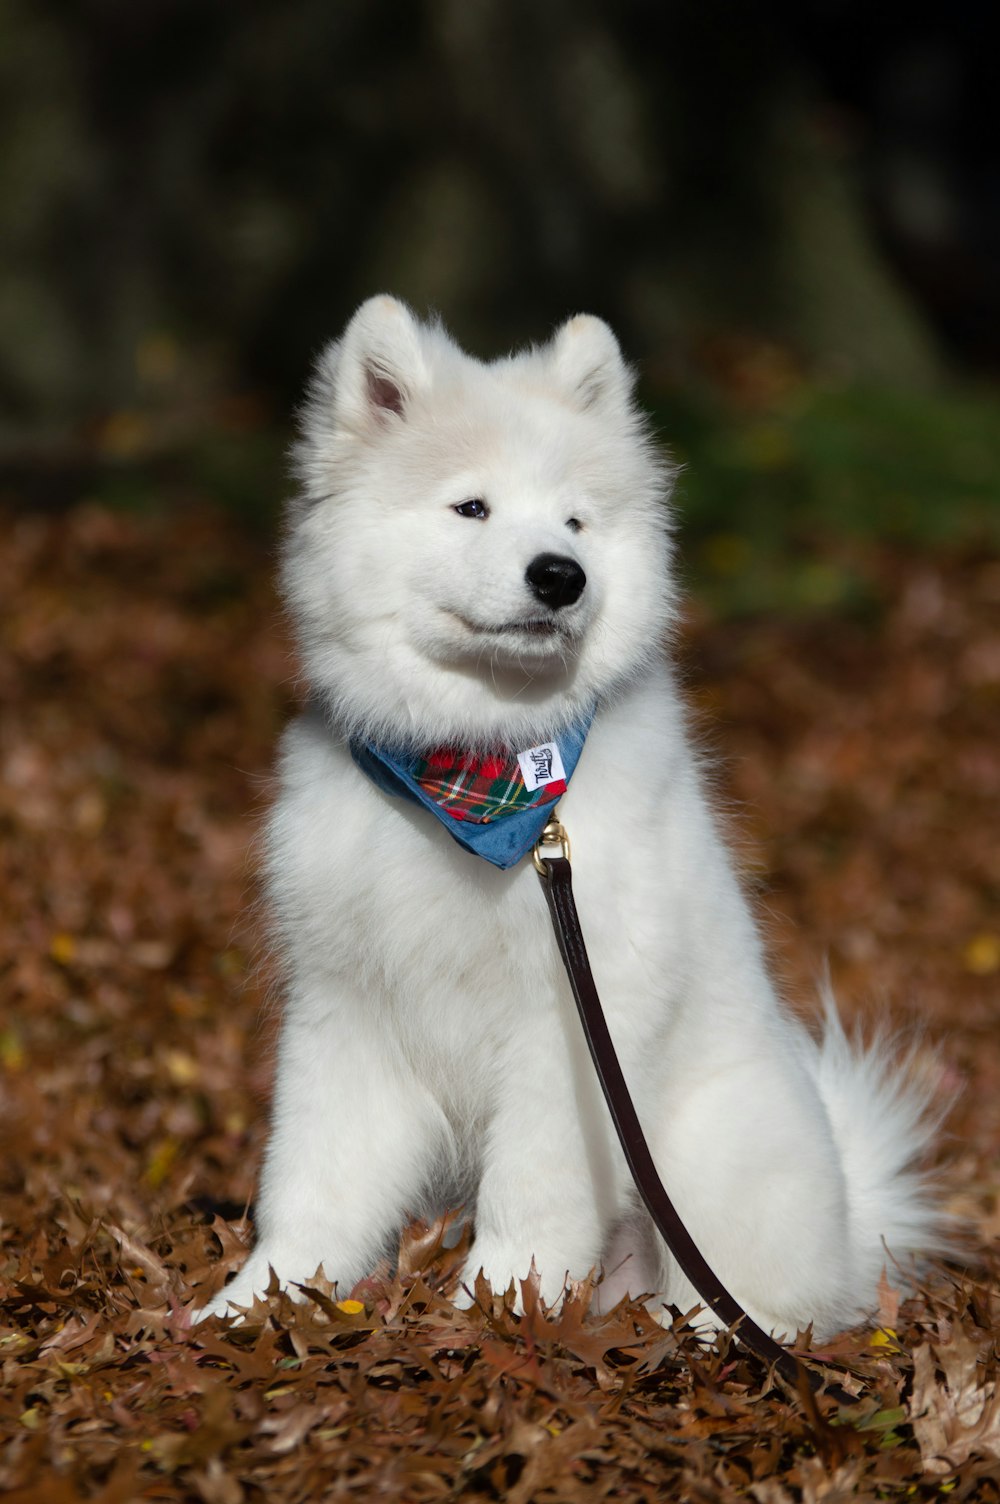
(589, 366)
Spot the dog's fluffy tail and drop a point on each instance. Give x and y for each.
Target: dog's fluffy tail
(885, 1107)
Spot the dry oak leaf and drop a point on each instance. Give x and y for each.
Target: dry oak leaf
(960, 1418)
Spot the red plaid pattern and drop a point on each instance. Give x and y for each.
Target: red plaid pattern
(481, 789)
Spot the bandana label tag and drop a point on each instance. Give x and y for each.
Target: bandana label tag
(541, 766)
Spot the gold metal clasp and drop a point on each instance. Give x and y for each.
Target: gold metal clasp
(553, 842)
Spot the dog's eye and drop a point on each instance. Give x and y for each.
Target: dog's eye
(474, 508)
(574, 524)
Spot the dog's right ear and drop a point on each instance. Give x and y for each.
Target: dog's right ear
(380, 366)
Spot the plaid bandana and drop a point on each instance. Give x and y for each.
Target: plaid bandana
(481, 789)
(494, 806)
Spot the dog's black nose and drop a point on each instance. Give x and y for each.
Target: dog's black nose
(555, 580)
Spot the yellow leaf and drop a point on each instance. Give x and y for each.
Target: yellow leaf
(982, 955)
(182, 1068)
(11, 1050)
(62, 948)
(351, 1307)
(160, 1161)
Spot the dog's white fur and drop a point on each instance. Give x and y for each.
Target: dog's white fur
(430, 1049)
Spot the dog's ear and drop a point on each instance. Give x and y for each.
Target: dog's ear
(380, 366)
(588, 364)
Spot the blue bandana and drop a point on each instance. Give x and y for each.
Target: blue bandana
(507, 834)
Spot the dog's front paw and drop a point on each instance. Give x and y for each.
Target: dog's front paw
(251, 1283)
(261, 1275)
(502, 1268)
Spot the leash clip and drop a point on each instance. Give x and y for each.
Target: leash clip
(552, 843)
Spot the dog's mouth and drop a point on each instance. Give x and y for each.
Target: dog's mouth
(535, 626)
(522, 633)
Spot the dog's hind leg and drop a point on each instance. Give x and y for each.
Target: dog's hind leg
(748, 1156)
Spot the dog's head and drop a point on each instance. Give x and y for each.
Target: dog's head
(479, 551)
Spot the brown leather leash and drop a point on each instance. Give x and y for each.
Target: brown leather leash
(552, 859)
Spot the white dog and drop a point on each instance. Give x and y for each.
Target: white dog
(479, 561)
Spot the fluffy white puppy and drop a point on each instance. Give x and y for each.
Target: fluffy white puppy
(430, 1052)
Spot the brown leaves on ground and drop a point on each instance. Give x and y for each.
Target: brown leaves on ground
(958, 1416)
(144, 679)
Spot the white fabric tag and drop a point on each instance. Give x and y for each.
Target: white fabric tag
(541, 765)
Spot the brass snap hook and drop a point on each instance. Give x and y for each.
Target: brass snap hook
(552, 843)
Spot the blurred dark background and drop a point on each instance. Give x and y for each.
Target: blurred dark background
(790, 214)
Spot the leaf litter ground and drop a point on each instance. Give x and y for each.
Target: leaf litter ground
(144, 677)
